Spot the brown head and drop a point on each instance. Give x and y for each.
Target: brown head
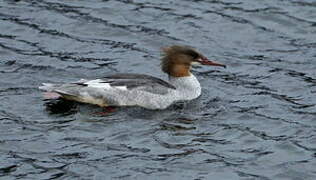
(177, 60)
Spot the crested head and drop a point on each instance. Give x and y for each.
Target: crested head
(177, 60)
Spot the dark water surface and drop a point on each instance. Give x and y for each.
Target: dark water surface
(255, 120)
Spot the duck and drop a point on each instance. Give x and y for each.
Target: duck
(131, 89)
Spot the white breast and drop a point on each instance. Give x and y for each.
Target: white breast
(187, 87)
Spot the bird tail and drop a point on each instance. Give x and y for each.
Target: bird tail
(48, 87)
(55, 91)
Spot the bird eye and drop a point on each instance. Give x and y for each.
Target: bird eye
(193, 54)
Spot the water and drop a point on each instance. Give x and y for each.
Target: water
(255, 120)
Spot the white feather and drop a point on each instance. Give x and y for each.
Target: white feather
(121, 88)
(194, 63)
(98, 83)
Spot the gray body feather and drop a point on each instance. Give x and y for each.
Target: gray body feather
(129, 90)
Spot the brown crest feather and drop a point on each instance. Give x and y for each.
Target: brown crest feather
(176, 60)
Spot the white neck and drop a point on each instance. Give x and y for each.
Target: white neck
(187, 87)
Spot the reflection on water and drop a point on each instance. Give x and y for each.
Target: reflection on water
(254, 120)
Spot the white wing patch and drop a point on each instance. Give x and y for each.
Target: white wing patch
(98, 83)
(121, 88)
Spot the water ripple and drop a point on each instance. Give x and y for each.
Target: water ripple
(254, 120)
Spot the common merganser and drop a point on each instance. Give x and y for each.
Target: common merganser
(139, 89)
